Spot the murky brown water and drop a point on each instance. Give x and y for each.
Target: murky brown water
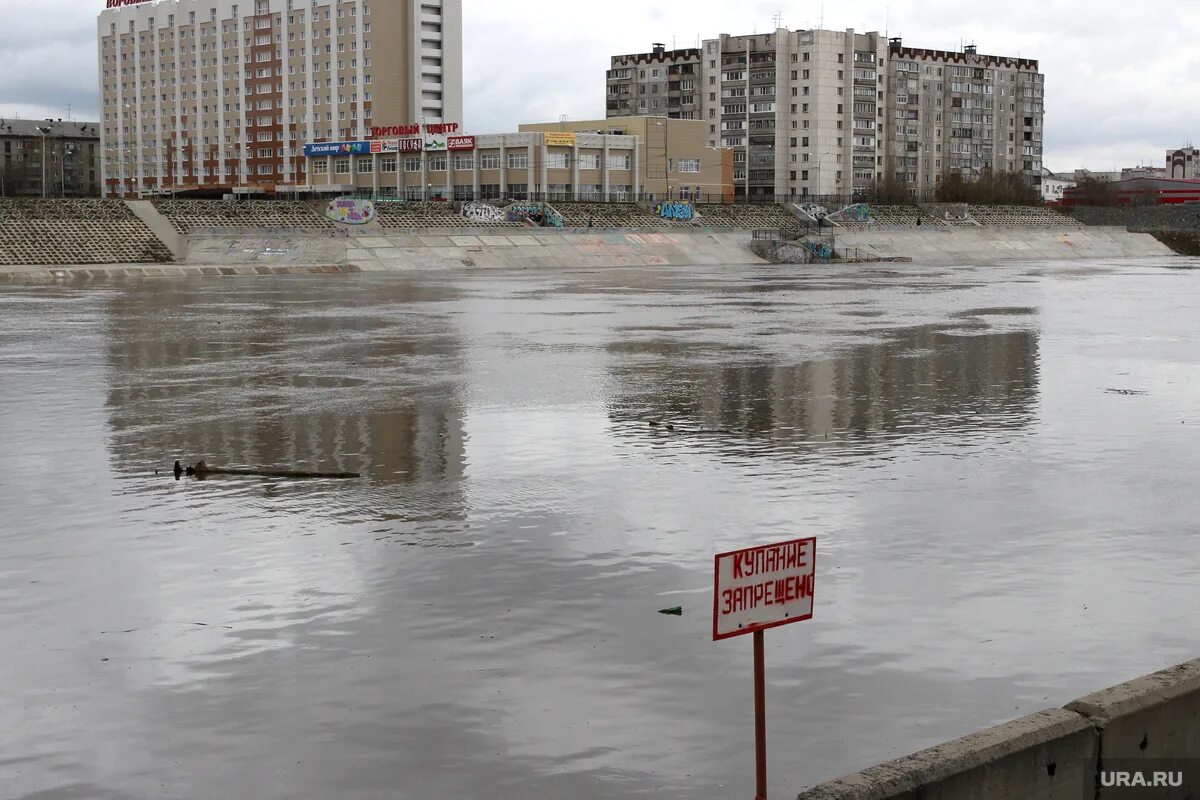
(999, 464)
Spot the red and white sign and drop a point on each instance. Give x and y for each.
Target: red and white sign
(413, 129)
(763, 587)
(460, 142)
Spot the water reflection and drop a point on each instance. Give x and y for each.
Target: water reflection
(914, 382)
(367, 382)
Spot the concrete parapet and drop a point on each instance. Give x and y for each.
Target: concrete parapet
(1154, 720)
(1050, 755)
(1110, 745)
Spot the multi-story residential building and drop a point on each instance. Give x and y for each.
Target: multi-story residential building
(49, 158)
(1183, 163)
(802, 110)
(220, 96)
(961, 112)
(661, 83)
(832, 113)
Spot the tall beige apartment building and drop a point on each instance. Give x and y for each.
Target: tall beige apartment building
(222, 96)
(819, 113)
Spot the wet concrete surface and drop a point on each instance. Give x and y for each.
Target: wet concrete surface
(998, 463)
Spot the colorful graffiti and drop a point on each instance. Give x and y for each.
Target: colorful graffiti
(537, 213)
(482, 213)
(350, 211)
(675, 209)
(821, 250)
(859, 212)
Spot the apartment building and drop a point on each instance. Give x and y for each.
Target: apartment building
(833, 113)
(220, 96)
(961, 112)
(49, 158)
(661, 83)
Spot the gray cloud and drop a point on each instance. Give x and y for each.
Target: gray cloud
(1119, 88)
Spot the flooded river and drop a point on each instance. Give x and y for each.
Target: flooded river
(998, 464)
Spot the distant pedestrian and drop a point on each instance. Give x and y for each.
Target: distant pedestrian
(918, 222)
(589, 220)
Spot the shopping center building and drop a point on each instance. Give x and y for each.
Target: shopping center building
(619, 160)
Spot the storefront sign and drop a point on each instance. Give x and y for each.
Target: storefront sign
(337, 149)
(414, 129)
(385, 146)
(119, 3)
(559, 139)
(460, 142)
(435, 142)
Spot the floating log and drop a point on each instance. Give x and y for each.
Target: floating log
(203, 470)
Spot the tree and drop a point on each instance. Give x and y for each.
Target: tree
(1091, 191)
(1002, 189)
(891, 190)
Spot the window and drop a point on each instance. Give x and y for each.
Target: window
(618, 161)
(437, 163)
(342, 166)
(588, 161)
(689, 165)
(320, 167)
(464, 162)
(387, 164)
(518, 160)
(365, 166)
(558, 160)
(489, 161)
(412, 164)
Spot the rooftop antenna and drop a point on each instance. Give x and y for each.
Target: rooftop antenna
(778, 19)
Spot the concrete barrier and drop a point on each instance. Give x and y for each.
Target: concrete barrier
(1122, 742)
(1050, 755)
(1149, 724)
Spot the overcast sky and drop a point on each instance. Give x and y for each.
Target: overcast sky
(1121, 77)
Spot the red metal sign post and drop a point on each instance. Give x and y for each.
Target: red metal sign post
(755, 589)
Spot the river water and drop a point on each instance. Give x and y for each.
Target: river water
(998, 463)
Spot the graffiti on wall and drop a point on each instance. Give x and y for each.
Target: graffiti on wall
(859, 212)
(675, 209)
(483, 213)
(821, 250)
(537, 213)
(350, 211)
(813, 210)
(955, 212)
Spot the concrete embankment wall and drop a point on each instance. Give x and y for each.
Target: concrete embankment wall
(1150, 724)
(531, 249)
(987, 245)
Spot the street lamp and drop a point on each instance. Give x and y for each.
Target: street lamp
(43, 131)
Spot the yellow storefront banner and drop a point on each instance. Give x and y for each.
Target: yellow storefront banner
(560, 139)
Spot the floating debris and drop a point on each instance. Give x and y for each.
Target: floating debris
(677, 611)
(202, 470)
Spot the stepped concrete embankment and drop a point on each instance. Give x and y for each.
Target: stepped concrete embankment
(1176, 226)
(1149, 726)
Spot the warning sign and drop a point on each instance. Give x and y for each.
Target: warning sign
(762, 587)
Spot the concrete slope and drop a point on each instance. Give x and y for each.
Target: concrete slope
(993, 245)
(162, 228)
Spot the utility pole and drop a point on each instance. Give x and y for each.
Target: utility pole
(43, 132)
